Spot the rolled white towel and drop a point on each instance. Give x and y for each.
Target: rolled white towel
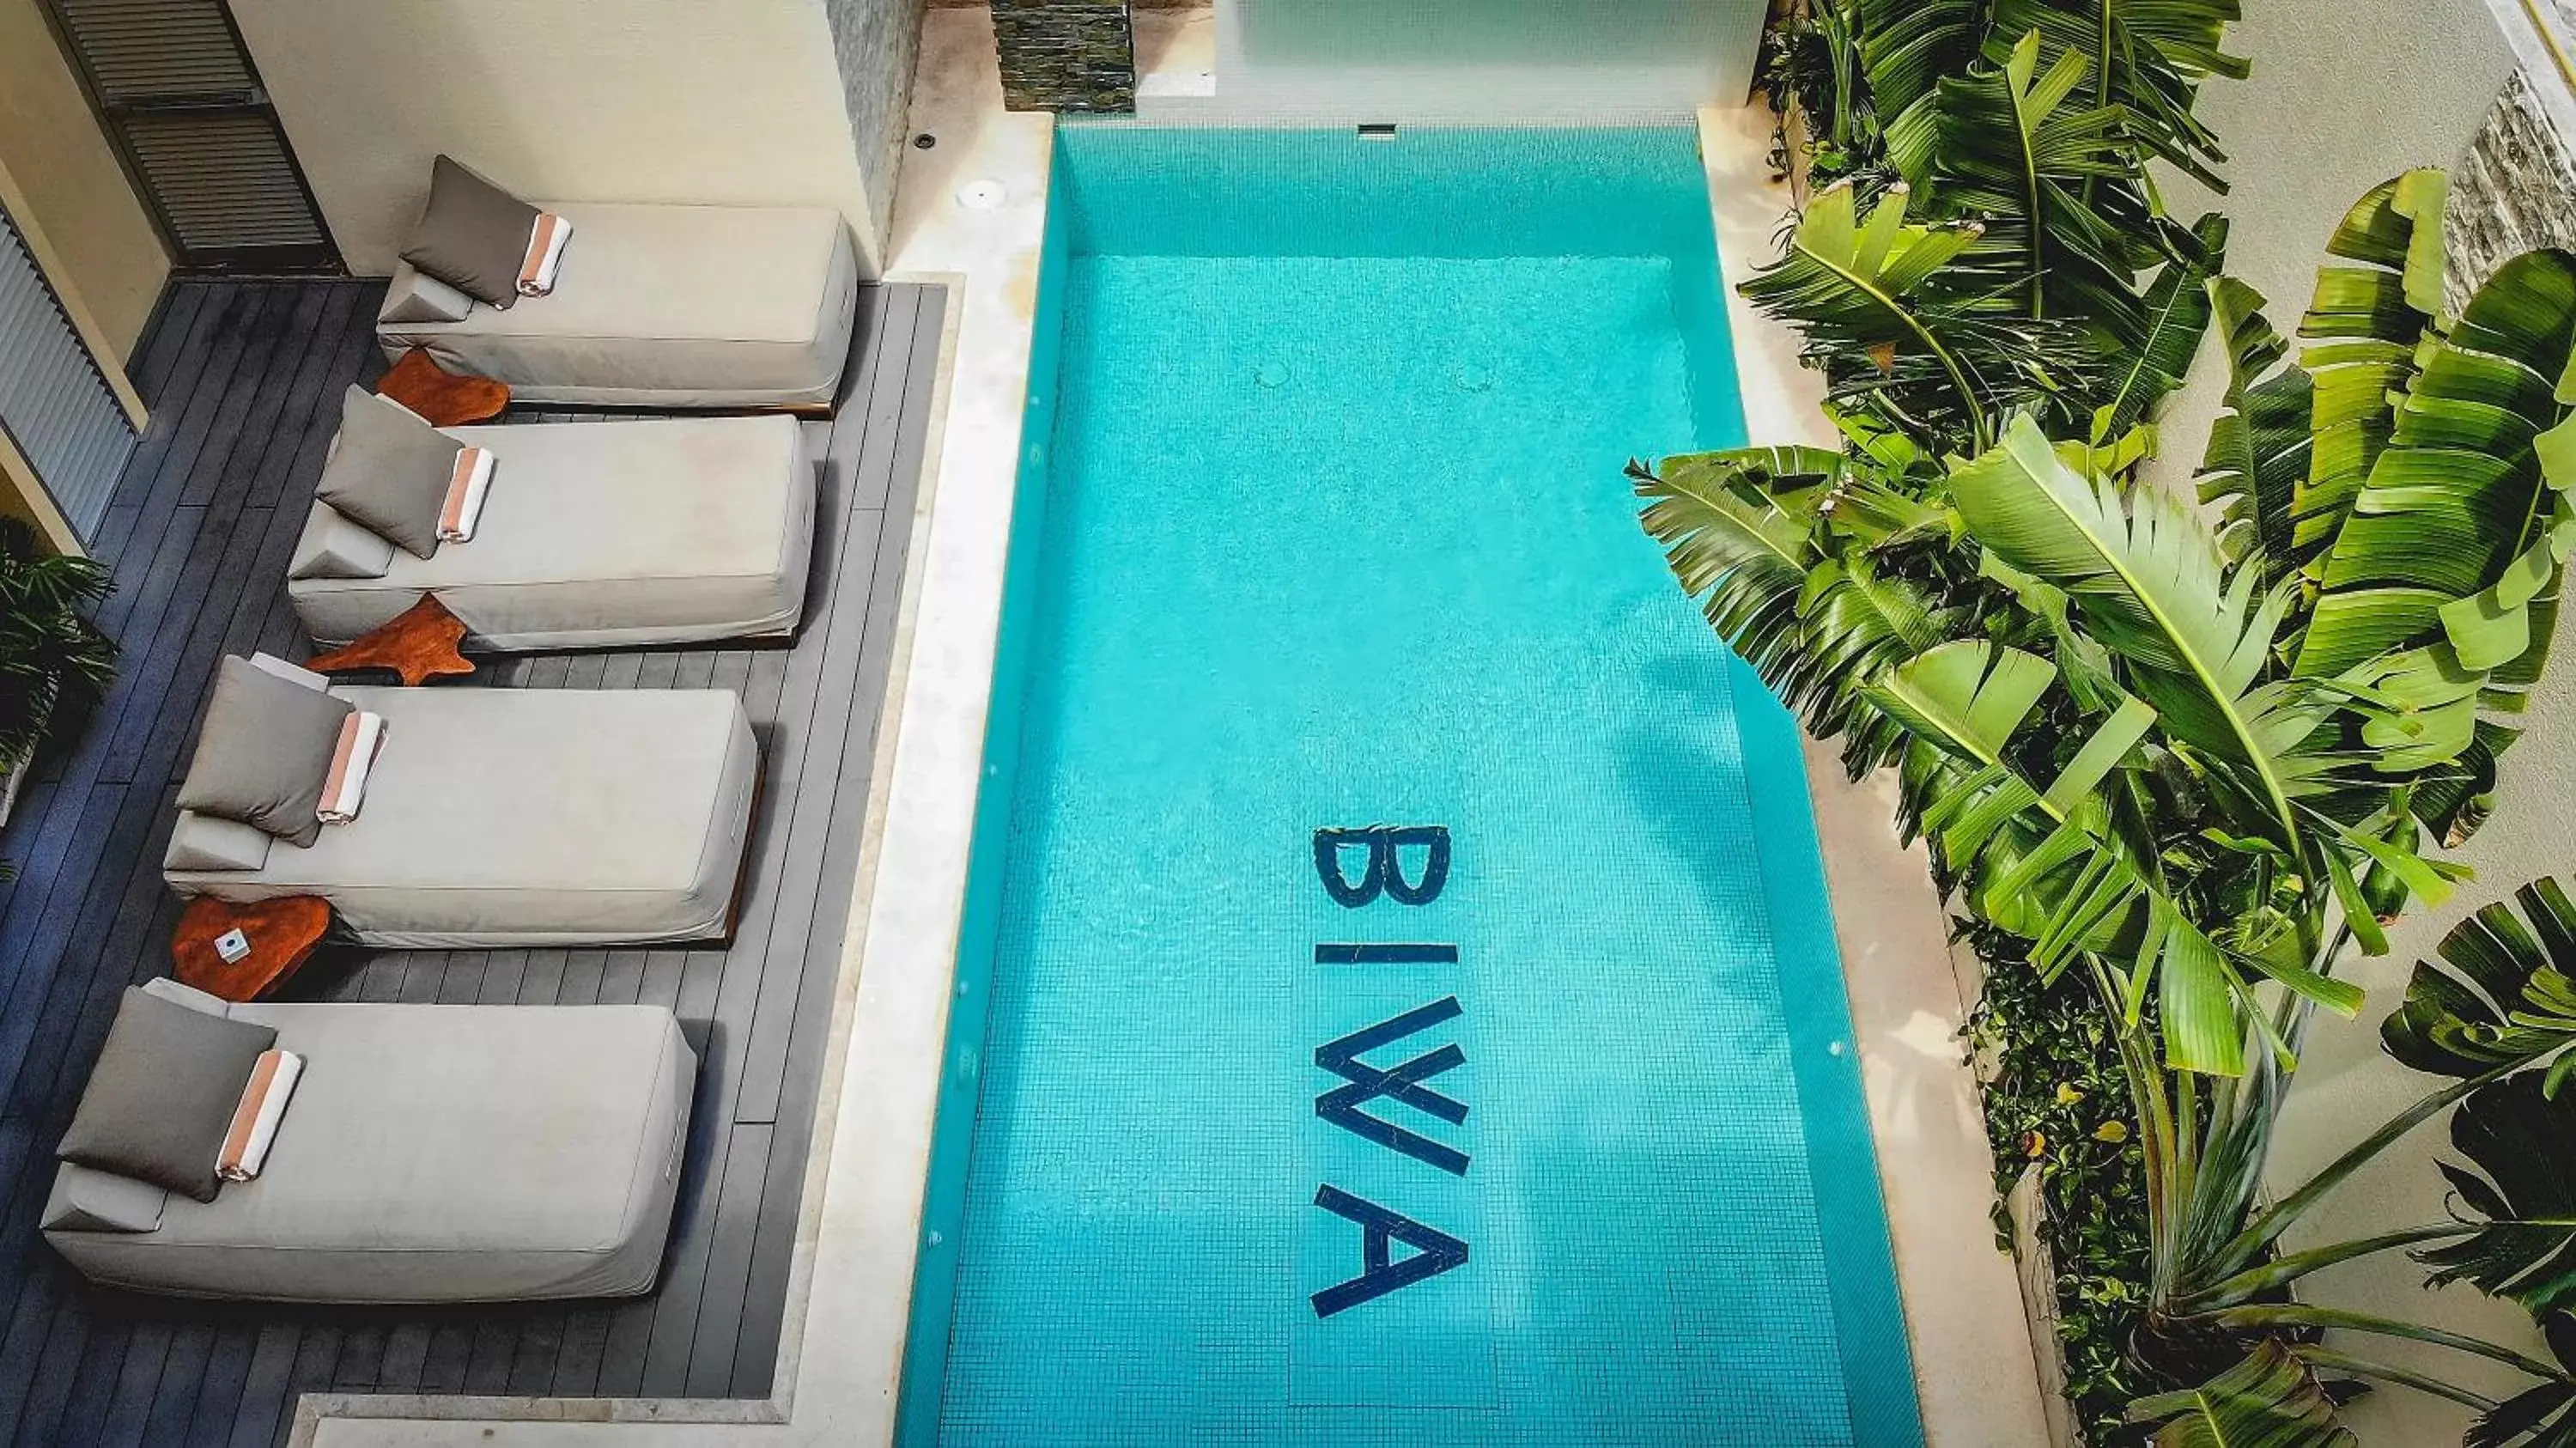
(545, 254)
(345, 788)
(465, 488)
(263, 1106)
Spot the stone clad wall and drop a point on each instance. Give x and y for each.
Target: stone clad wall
(1066, 55)
(2514, 189)
(876, 43)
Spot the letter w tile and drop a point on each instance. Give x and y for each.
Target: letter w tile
(1403, 1083)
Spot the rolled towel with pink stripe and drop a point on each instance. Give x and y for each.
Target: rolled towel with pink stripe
(255, 1120)
(545, 254)
(465, 489)
(361, 735)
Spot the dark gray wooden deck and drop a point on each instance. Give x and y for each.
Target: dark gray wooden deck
(242, 377)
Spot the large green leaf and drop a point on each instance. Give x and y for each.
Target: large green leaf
(2270, 1400)
(2043, 864)
(1907, 46)
(2440, 581)
(1944, 362)
(1746, 532)
(1735, 528)
(2504, 994)
(2038, 858)
(2150, 580)
(2148, 57)
(2044, 176)
(1857, 622)
(2176, 313)
(2521, 1181)
(2367, 321)
(2259, 445)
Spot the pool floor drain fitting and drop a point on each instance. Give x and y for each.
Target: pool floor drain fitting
(1271, 374)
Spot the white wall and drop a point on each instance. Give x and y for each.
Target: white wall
(574, 100)
(2339, 102)
(1493, 61)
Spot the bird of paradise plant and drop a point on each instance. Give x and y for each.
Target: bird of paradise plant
(2197, 758)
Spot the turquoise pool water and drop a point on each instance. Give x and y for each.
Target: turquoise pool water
(1323, 529)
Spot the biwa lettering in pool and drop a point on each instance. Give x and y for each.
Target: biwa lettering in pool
(1383, 874)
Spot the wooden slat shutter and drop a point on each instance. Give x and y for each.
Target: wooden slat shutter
(180, 95)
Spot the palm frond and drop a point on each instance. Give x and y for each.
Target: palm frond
(2270, 1400)
(1736, 529)
(2008, 146)
(1909, 45)
(1938, 363)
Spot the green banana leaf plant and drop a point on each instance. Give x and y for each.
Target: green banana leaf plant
(2019, 132)
(2498, 1016)
(2131, 735)
(2195, 757)
(2145, 57)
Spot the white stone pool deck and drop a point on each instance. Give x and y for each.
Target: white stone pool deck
(842, 1350)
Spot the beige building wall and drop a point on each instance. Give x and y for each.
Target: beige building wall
(738, 102)
(2336, 105)
(52, 149)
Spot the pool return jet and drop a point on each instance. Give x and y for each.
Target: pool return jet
(1434, 1251)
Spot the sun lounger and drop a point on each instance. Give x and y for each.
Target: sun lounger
(597, 534)
(663, 307)
(429, 1154)
(502, 817)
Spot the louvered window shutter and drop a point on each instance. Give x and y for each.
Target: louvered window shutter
(179, 94)
(55, 405)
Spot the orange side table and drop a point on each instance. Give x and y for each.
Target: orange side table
(441, 397)
(418, 644)
(283, 933)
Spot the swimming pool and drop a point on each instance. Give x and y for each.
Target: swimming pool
(1398, 1002)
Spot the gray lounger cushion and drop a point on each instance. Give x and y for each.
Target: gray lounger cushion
(472, 234)
(432, 1154)
(418, 297)
(204, 842)
(502, 817)
(335, 545)
(594, 534)
(667, 307)
(162, 1095)
(263, 752)
(389, 471)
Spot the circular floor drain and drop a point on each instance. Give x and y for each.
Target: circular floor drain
(1271, 374)
(1473, 378)
(982, 195)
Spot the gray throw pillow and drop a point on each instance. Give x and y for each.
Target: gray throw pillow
(163, 1094)
(389, 471)
(264, 752)
(473, 235)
